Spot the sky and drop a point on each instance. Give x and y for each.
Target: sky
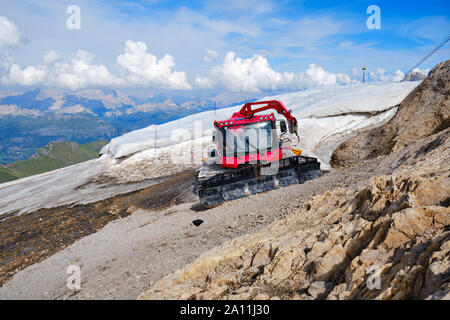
(234, 45)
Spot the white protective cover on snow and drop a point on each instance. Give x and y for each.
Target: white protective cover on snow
(326, 116)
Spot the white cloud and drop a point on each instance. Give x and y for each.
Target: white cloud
(6, 61)
(79, 73)
(251, 75)
(144, 69)
(398, 76)
(84, 56)
(255, 74)
(381, 75)
(423, 71)
(343, 78)
(51, 57)
(28, 76)
(316, 75)
(9, 33)
(141, 69)
(204, 83)
(210, 55)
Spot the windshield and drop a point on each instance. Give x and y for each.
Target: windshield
(248, 138)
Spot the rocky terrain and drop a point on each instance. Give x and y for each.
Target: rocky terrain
(388, 237)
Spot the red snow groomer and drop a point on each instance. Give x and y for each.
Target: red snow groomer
(250, 157)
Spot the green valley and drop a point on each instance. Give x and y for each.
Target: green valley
(53, 156)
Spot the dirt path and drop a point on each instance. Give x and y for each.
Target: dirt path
(129, 254)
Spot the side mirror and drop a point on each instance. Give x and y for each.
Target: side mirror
(283, 126)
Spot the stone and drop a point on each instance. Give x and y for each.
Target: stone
(319, 289)
(197, 222)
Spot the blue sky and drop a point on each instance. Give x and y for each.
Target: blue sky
(287, 37)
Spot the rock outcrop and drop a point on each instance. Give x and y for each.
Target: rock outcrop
(424, 112)
(390, 240)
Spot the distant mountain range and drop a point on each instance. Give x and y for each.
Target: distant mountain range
(415, 76)
(51, 157)
(30, 120)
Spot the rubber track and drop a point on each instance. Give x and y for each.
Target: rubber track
(245, 181)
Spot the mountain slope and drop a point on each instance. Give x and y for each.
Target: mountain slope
(7, 175)
(163, 241)
(20, 137)
(425, 111)
(51, 157)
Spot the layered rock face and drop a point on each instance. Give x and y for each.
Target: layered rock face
(425, 111)
(390, 240)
